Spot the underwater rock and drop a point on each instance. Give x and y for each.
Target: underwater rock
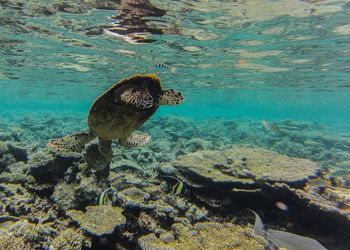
(18, 152)
(71, 7)
(205, 235)
(340, 197)
(135, 199)
(47, 167)
(71, 239)
(17, 167)
(5, 136)
(166, 169)
(125, 165)
(76, 195)
(3, 148)
(147, 223)
(196, 144)
(310, 199)
(99, 220)
(195, 214)
(241, 166)
(11, 153)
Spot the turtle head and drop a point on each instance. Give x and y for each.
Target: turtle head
(171, 97)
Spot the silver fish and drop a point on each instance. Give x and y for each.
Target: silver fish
(285, 240)
(270, 126)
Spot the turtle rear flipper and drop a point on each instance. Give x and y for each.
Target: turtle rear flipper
(74, 142)
(139, 98)
(171, 97)
(135, 139)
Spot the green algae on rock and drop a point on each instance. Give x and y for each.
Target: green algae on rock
(205, 235)
(98, 220)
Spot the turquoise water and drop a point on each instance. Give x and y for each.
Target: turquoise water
(268, 60)
(270, 74)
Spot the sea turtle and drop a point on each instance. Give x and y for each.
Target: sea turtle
(118, 112)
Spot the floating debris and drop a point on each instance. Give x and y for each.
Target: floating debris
(282, 206)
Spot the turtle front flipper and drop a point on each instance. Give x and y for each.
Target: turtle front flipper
(74, 142)
(135, 139)
(171, 97)
(139, 98)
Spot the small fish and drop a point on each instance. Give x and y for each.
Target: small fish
(319, 183)
(159, 42)
(179, 187)
(186, 10)
(107, 197)
(161, 66)
(340, 172)
(281, 239)
(270, 126)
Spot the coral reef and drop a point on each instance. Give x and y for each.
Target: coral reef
(11, 153)
(205, 235)
(70, 239)
(9, 242)
(48, 199)
(259, 178)
(241, 166)
(99, 220)
(48, 167)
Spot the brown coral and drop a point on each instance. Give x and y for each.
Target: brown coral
(245, 165)
(205, 236)
(70, 239)
(10, 242)
(98, 220)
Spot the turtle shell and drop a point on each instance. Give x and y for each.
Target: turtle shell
(111, 118)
